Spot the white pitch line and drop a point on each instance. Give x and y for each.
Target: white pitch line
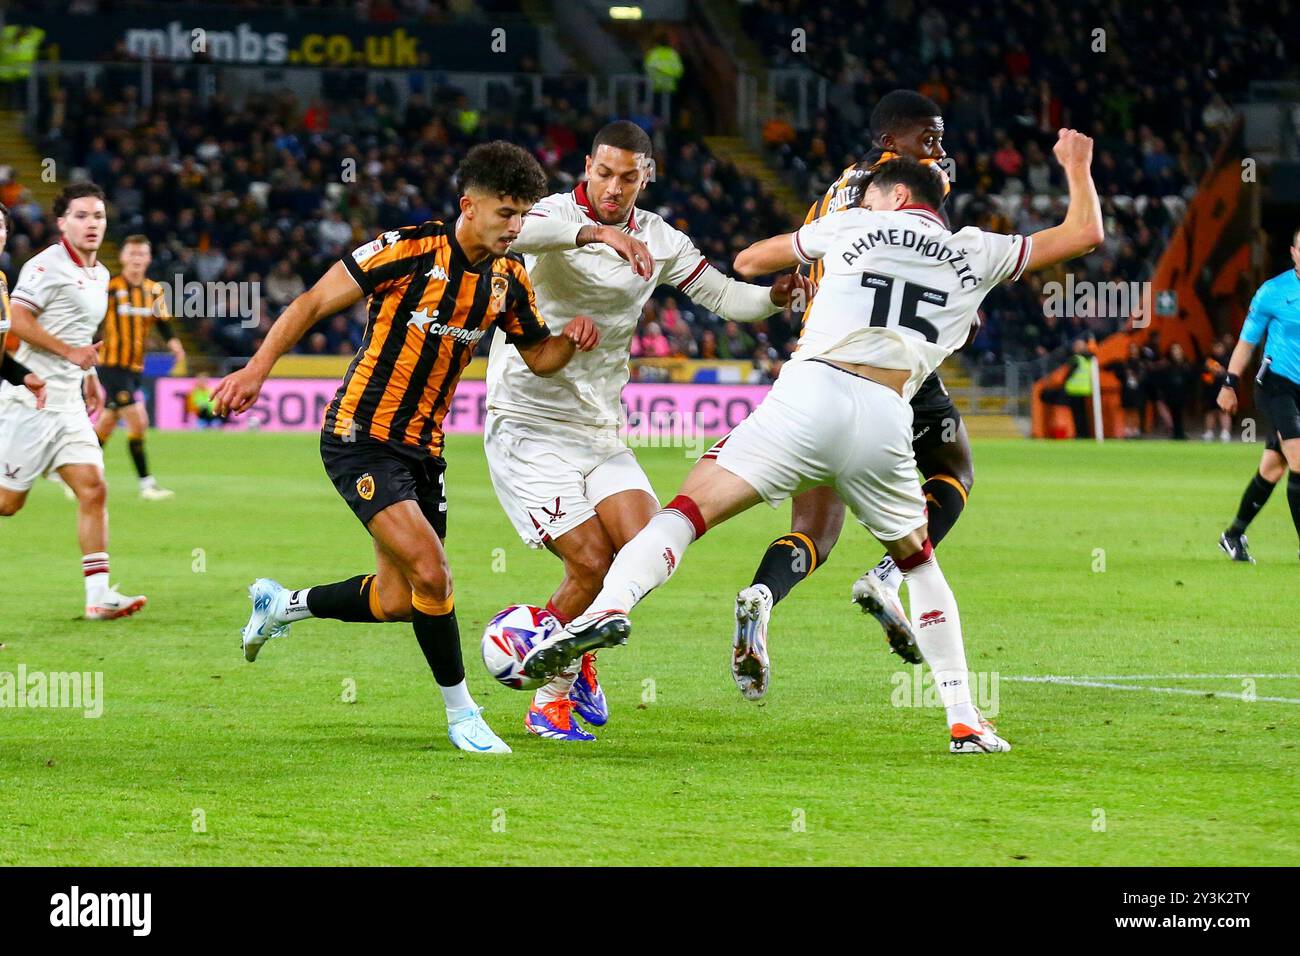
(1104, 685)
(1056, 677)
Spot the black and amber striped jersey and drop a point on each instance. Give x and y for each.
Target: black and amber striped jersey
(4, 313)
(132, 311)
(429, 307)
(846, 192)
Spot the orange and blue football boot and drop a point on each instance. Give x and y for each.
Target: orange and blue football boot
(554, 721)
(588, 698)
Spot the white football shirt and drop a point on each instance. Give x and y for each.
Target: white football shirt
(899, 289)
(69, 299)
(592, 280)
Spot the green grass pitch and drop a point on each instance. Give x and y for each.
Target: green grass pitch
(200, 758)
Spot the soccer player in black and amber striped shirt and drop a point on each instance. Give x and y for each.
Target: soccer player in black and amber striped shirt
(11, 370)
(136, 305)
(434, 290)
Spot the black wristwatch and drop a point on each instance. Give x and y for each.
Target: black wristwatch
(1230, 381)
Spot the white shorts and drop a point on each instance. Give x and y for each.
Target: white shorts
(549, 476)
(35, 441)
(821, 425)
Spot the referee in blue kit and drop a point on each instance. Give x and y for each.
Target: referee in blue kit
(1275, 310)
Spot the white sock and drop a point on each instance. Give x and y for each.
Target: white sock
(557, 689)
(295, 607)
(888, 574)
(94, 567)
(456, 697)
(938, 634)
(148, 482)
(645, 562)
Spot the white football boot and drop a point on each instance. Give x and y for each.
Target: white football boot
(985, 740)
(112, 605)
(263, 625)
(750, 666)
(151, 491)
(881, 602)
(585, 633)
(467, 729)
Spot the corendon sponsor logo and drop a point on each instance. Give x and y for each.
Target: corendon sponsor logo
(431, 326)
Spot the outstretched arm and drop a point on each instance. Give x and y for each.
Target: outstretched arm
(1081, 231)
(746, 302)
(767, 255)
(333, 292)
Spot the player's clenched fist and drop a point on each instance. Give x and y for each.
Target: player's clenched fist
(794, 290)
(1228, 400)
(582, 331)
(237, 392)
(1073, 149)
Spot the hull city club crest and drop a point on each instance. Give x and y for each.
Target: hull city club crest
(366, 486)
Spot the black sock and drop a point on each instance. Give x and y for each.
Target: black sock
(439, 638)
(945, 501)
(1293, 498)
(345, 601)
(788, 560)
(1256, 496)
(137, 455)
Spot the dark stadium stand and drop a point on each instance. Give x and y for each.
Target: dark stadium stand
(1008, 75)
(253, 191)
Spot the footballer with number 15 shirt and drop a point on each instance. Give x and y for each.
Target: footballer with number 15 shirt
(434, 291)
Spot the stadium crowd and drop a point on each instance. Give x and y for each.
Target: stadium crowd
(275, 190)
(1007, 76)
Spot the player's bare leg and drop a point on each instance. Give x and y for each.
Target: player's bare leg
(587, 552)
(11, 502)
(1233, 543)
(416, 552)
(374, 598)
(103, 602)
(412, 582)
(106, 424)
(1291, 450)
(709, 496)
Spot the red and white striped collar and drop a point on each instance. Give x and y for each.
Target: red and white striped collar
(72, 253)
(580, 197)
(926, 210)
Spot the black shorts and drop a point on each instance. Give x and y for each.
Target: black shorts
(935, 418)
(1280, 399)
(121, 386)
(371, 475)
